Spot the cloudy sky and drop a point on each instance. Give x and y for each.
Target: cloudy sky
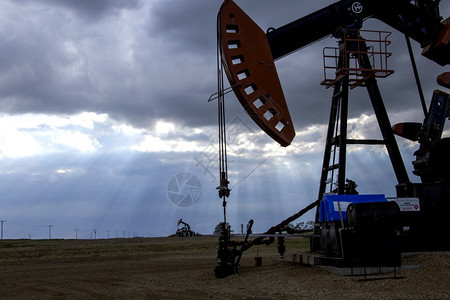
(104, 115)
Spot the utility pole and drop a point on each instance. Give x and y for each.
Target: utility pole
(95, 234)
(76, 234)
(50, 231)
(2, 227)
(108, 234)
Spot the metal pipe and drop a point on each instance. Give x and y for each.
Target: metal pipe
(416, 76)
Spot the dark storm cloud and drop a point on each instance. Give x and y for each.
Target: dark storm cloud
(170, 74)
(35, 69)
(88, 9)
(55, 62)
(186, 26)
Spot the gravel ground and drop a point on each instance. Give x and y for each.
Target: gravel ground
(176, 268)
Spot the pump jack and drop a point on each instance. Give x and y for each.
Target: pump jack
(185, 230)
(364, 229)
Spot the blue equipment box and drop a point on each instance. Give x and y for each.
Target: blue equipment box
(329, 205)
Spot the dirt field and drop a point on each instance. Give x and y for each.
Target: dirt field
(175, 268)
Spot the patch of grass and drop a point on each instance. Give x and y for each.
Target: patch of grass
(94, 249)
(7, 245)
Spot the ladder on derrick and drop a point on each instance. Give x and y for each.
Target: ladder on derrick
(352, 48)
(356, 66)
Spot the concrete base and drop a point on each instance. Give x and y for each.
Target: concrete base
(312, 259)
(358, 271)
(302, 258)
(336, 265)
